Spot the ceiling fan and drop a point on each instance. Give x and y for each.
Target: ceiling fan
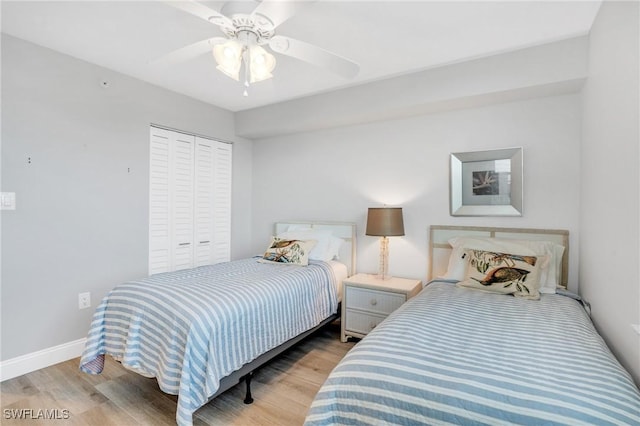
(247, 31)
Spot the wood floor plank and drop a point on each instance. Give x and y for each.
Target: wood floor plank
(105, 414)
(17, 389)
(283, 390)
(37, 409)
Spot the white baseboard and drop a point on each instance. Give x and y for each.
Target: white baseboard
(24, 364)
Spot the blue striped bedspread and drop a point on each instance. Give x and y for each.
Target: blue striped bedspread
(191, 328)
(459, 356)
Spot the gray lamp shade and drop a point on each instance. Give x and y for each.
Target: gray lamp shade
(385, 222)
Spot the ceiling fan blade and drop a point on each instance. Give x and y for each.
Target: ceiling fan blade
(201, 11)
(190, 52)
(278, 11)
(314, 55)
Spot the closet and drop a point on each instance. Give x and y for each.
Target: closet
(189, 200)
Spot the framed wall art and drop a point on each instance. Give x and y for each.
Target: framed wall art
(486, 183)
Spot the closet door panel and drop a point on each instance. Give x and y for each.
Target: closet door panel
(223, 160)
(182, 200)
(159, 202)
(203, 202)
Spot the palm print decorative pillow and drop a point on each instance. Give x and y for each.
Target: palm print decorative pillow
(295, 252)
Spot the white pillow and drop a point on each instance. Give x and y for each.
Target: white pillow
(335, 244)
(325, 249)
(549, 253)
(300, 227)
(458, 266)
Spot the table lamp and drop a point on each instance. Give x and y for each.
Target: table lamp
(384, 222)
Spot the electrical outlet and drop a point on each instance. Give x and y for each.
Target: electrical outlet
(84, 300)
(636, 328)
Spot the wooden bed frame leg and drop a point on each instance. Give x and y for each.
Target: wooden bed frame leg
(247, 380)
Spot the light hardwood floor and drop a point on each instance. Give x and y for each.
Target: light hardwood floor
(282, 390)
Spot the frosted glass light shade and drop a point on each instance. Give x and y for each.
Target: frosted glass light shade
(262, 63)
(229, 58)
(258, 62)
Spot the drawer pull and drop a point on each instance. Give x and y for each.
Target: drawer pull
(373, 302)
(372, 325)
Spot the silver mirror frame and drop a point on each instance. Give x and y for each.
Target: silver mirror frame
(457, 208)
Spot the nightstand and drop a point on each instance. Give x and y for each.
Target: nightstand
(367, 300)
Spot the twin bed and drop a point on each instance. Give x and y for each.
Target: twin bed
(200, 331)
(450, 355)
(457, 355)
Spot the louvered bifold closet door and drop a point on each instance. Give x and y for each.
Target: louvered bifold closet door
(222, 171)
(171, 180)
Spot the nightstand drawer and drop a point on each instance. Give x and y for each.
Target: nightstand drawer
(374, 301)
(360, 322)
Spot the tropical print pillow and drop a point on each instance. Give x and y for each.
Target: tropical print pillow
(295, 252)
(503, 273)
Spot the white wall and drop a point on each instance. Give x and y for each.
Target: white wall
(549, 69)
(337, 174)
(81, 222)
(609, 228)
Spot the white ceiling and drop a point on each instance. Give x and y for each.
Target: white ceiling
(387, 38)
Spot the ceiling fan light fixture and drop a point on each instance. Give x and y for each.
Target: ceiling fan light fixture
(249, 27)
(229, 58)
(261, 64)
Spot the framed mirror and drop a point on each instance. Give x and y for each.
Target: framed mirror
(486, 183)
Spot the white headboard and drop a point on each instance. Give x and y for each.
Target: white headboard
(440, 250)
(344, 230)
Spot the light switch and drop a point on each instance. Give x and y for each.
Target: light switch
(7, 201)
